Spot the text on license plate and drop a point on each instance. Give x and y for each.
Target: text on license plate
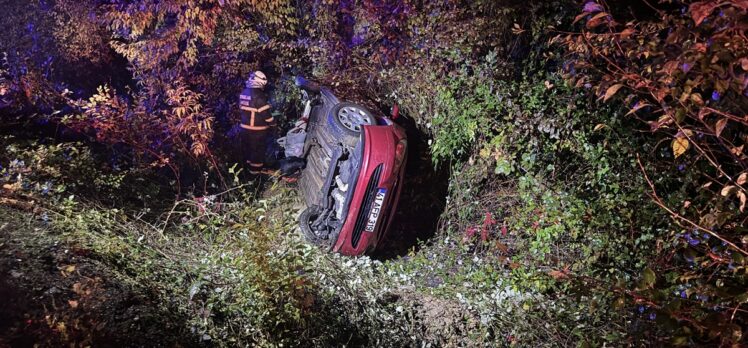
(376, 209)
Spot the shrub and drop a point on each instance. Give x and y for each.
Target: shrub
(682, 73)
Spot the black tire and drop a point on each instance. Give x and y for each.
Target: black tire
(346, 119)
(305, 219)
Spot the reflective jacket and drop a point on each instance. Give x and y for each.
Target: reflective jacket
(255, 110)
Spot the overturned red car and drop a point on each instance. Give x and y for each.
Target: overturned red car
(355, 161)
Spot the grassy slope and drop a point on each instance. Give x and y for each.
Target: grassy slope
(56, 291)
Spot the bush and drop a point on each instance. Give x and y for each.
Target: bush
(682, 73)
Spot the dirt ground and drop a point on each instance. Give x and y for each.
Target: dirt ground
(54, 294)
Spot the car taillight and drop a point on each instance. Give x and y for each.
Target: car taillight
(400, 150)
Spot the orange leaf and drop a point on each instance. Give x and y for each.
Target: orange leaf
(696, 98)
(636, 107)
(626, 33)
(680, 145)
(670, 67)
(742, 179)
(737, 151)
(558, 275)
(702, 9)
(661, 93)
(596, 20)
(502, 247)
(579, 17)
(73, 304)
(720, 126)
(612, 90)
(727, 190)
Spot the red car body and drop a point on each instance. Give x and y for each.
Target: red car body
(380, 149)
(355, 163)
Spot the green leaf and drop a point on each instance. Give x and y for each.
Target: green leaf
(503, 166)
(742, 298)
(679, 341)
(649, 277)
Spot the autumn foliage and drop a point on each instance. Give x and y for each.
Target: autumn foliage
(683, 72)
(597, 148)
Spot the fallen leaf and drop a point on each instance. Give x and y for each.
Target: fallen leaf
(680, 145)
(599, 127)
(744, 63)
(73, 304)
(70, 269)
(742, 197)
(612, 90)
(742, 179)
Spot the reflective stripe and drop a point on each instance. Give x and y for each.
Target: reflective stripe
(259, 164)
(246, 126)
(244, 103)
(245, 97)
(254, 112)
(247, 108)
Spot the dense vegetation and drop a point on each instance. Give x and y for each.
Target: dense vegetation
(594, 151)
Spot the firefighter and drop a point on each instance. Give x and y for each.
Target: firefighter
(257, 122)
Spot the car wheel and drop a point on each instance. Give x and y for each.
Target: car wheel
(306, 218)
(348, 119)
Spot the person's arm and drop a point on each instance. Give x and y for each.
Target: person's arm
(265, 113)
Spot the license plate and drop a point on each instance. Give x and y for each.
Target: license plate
(376, 208)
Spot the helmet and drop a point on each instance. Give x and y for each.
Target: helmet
(257, 79)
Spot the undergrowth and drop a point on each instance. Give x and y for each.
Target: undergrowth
(550, 236)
